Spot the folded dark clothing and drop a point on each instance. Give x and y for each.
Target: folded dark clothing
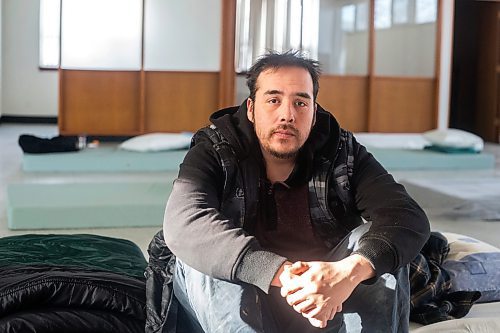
(43, 298)
(71, 283)
(59, 144)
(431, 298)
(61, 320)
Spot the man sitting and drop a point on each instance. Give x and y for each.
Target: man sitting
(265, 218)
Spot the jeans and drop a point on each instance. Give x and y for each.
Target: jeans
(214, 305)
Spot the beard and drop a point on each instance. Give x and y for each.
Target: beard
(282, 155)
(265, 139)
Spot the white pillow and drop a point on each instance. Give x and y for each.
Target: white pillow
(157, 142)
(454, 138)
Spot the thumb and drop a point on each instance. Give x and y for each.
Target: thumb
(317, 323)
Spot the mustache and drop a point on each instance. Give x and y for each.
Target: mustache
(285, 127)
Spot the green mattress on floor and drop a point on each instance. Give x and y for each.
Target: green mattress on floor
(401, 159)
(86, 205)
(110, 159)
(127, 204)
(103, 159)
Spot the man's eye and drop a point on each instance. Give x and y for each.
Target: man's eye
(300, 103)
(273, 101)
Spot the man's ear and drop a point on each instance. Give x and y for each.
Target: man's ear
(250, 115)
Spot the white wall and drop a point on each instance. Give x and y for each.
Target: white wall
(26, 90)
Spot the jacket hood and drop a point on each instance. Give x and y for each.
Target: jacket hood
(239, 131)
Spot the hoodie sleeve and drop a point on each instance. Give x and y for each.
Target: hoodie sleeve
(399, 228)
(201, 236)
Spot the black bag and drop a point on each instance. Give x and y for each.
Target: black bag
(59, 144)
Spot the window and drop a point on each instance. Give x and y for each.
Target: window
(407, 48)
(425, 11)
(98, 34)
(295, 26)
(383, 14)
(355, 17)
(400, 11)
(280, 24)
(50, 11)
(112, 40)
(348, 17)
(362, 16)
(310, 28)
(276, 25)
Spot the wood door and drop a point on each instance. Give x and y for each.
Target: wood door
(99, 102)
(488, 72)
(180, 101)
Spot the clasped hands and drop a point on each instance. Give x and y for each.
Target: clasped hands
(318, 289)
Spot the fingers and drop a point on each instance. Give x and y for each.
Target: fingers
(317, 312)
(305, 306)
(334, 311)
(318, 316)
(285, 280)
(318, 323)
(297, 296)
(298, 267)
(289, 289)
(289, 277)
(289, 285)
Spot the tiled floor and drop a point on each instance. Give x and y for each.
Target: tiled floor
(10, 171)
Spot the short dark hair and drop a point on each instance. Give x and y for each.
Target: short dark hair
(276, 60)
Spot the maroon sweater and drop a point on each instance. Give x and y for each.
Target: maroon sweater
(286, 229)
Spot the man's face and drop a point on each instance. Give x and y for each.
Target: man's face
(283, 112)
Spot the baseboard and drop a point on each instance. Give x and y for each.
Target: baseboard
(53, 120)
(28, 120)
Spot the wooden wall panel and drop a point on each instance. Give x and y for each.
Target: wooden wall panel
(99, 102)
(180, 101)
(227, 79)
(346, 97)
(402, 105)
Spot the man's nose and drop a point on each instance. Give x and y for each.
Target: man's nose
(287, 113)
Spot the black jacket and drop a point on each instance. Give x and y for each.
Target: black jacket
(202, 230)
(71, 283)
